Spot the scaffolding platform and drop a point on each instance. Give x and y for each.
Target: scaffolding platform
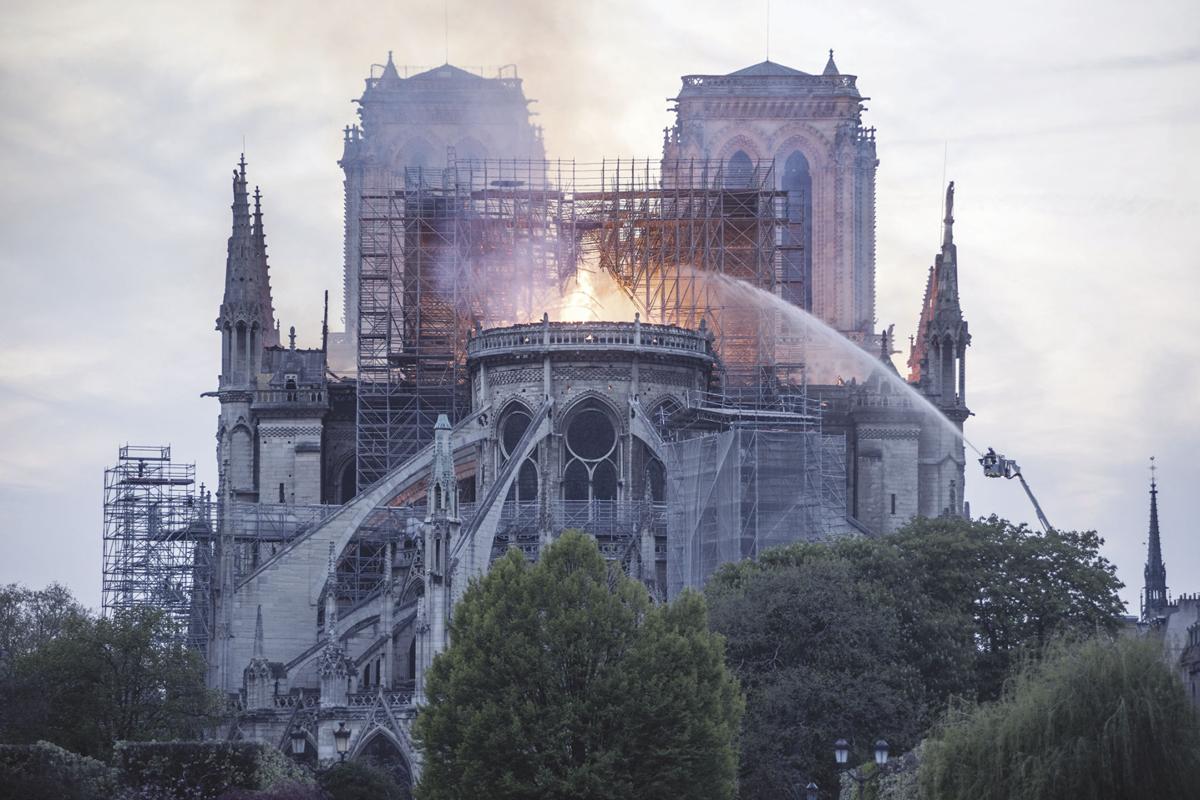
(489, 243)
(158, 540)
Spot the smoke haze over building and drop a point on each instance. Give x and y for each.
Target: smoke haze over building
(1068, 136)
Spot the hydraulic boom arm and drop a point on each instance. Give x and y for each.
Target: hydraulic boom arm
(997, 466)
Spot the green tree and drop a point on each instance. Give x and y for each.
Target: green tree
(1019, 588)
(30, 618)
(872, 637)
(1103, 719)
(818, 649)
(100, 680)
(563, 681)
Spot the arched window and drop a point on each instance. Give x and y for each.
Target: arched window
(739, 172)
(797, 234)
(656, 480)
(348, 484)
(591, 455)
(513, 426)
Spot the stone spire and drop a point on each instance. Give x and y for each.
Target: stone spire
(257, 675)
(389, 77)
(262, 272)
(947, 263)
(246, 319)
(331, 612)
(1154, 595)
(830, 67)
(247, 286)
(443, 484)
(258, 635)
(334, 667)
(937, 361)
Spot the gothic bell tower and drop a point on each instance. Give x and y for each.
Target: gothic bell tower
(806, 131)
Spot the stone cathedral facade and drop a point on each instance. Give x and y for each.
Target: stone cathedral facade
(329, 599)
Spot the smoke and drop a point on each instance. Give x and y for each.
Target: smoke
(797, 337)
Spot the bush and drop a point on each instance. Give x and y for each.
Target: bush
(285, 790)
(202, 770)
(44, 770)
(1102, 719)
(353, 780)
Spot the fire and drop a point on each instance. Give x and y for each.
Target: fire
(594, 295)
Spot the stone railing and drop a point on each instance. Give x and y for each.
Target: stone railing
(301, 700)
(303, 396)
(738, 84)
(564, 336)
(393, 698)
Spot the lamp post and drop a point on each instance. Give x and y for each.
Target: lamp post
(298, 742)
(341, 739)
(841, 753)
(810, 791)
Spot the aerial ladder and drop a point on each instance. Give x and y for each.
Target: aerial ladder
(996, 465)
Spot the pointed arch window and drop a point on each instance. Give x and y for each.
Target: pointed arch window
(513, 425)
(797, 233)
(739, 172)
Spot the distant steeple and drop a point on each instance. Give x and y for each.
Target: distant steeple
(830, 67)
(1154, 597)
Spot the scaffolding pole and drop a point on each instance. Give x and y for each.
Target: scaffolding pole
(158, 540)
(489, 243)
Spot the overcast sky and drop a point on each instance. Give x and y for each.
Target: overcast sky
(1070, 129)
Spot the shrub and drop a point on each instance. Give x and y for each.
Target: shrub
(284, 790)
(354, 780)
(44, 770)
(1102, 719)
(201, 770)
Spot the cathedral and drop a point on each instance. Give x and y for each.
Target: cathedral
(460, 412)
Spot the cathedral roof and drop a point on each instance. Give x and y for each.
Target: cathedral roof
(766, 69)
(444, 72)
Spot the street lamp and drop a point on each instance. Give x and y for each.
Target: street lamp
(341, 739)
(810, 791)
(841, 753)
(297, 742)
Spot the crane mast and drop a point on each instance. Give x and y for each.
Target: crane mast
(996, 465)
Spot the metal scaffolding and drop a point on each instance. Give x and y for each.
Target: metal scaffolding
(486, 243)
(158, 540)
